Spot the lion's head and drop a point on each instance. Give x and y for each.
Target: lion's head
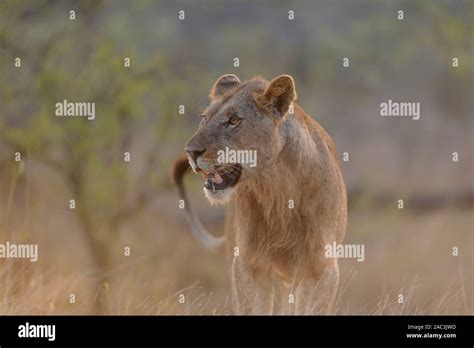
(239, 135)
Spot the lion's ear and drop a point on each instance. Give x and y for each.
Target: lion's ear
(223, 84)
(280, 93)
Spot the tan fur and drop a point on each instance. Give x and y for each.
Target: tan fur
(297, 161)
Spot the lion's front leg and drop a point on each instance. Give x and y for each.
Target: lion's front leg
(317, 296)
(252, 293)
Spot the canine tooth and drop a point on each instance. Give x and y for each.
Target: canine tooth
(217, 178)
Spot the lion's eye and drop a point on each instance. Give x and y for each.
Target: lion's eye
(234, 120)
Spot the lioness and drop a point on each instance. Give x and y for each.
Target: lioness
(283, 211)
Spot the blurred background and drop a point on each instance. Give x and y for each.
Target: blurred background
(125, 248)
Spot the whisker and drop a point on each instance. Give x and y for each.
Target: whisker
(230, 170)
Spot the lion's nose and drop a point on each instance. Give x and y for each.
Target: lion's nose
(193, 153)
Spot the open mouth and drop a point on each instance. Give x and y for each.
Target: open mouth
(222, 178)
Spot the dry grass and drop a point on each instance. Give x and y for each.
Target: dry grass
(404, 254)
(411, 257)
